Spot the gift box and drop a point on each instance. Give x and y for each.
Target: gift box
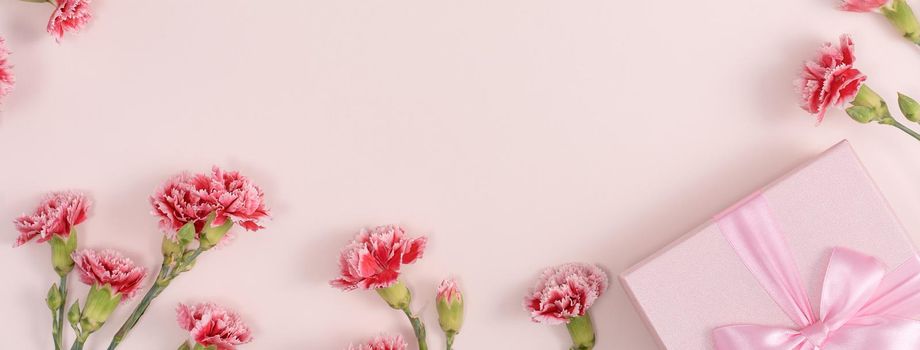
(739, 273)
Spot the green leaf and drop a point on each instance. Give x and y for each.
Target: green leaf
(186, 234)
(861, 114)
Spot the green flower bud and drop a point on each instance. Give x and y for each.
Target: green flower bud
(61, 250)
(100, 303)
(172, 250)
(184, 346)
(211, 235)
(902, 17)
(909, 107)
(73, 315)
(397, 295)
(450, 307)
(861, 114)
(582, 332)
(54, 299)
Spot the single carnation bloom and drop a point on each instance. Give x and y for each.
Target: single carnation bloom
(374, 258)
(212, 325)
(829, 79)
(57, 214)
(188, 198)
(448, 291)
(564, 292)
(393, 342)
(69, 16)
(109, 267)
(862, 5)
(6, 70)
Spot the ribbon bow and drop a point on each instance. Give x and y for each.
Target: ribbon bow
(863, 307)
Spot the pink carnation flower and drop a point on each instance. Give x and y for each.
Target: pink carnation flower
(69, 16)
(109, 267)
(6, 72)
(191, 198)
(57, 214)
(862, 5)
(448, 291)
(393, 342)
(829, 79)
(564, 292)
(212, 325)
(374, 258)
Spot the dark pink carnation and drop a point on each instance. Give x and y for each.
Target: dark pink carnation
(374, 258)
(393, 342)
(6, 71)
(57, 214)
(862, 5)
(69, 16)
(829, 79)
(109, 267)
(212, 325)
(191, 198)
(564, 292)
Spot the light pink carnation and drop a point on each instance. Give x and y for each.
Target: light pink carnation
(393, 342)
(69, 16)
(862, 5)
(212, 325)
(374, 258)
(109, 267)
(448, 291)
(188, 198)
(56, 215)
(6, 70)
(564, 292)
(829, 79)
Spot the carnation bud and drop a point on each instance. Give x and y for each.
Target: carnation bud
(450, 307)
(909, 107)
(73, 315)
(100, 303)
(902, 17)
(61, 251)
(397, 295)
(55, 299)
(582, 332)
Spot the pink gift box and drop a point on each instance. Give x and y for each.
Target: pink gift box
(699, 283)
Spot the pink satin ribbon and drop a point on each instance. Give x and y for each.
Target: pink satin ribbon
(863, 306)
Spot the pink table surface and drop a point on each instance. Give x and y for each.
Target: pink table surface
(518, 134)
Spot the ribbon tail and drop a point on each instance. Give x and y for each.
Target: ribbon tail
(899, 292)
(755, 337)
(876, 333)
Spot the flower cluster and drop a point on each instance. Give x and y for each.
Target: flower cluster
(193, 199)
(56, 215)
(374, 258)
(830, 78)
(393, 342)
(109, 268)
(564, 292)
(69, 16)
(212, 325)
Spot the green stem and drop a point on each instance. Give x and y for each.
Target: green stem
(141, 308)
(582, 332)
(58, 316)
(78, 343)
(418, 327)
(903, 127)
(450, 340)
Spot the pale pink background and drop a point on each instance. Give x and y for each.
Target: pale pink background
(518, 134)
